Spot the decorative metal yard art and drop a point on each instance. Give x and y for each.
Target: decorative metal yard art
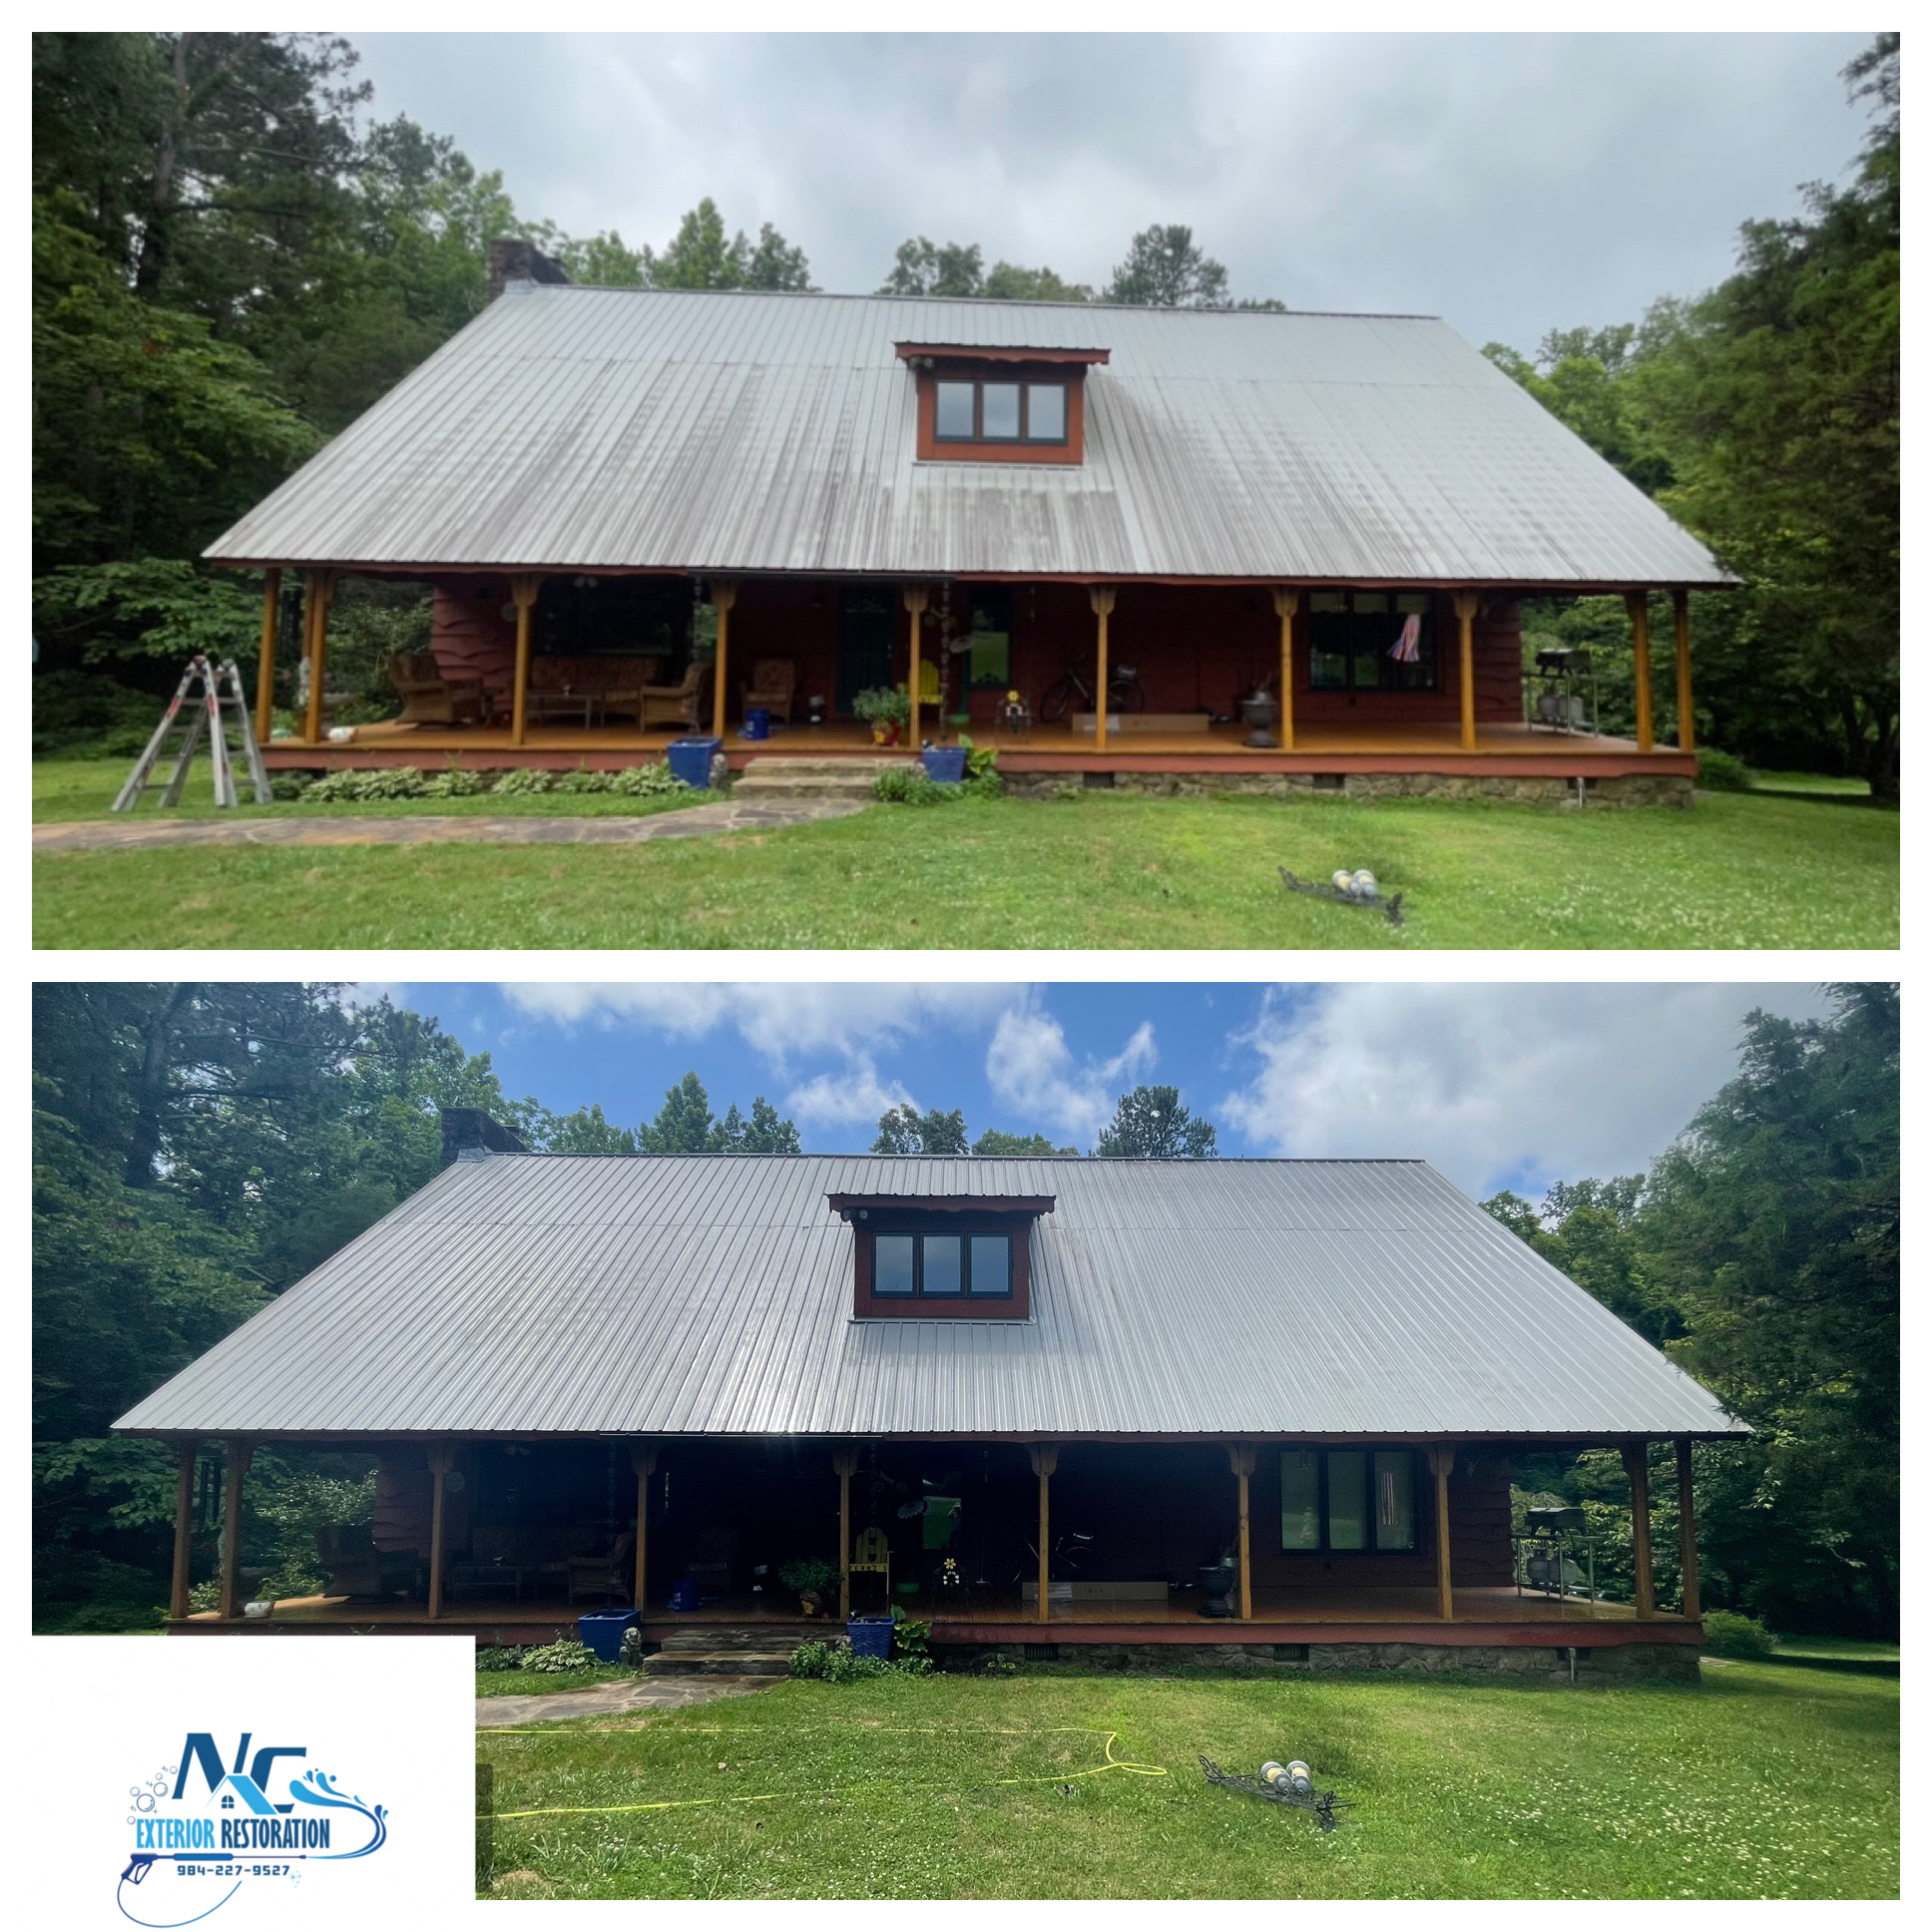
(1292, 1783)
(1347, 888)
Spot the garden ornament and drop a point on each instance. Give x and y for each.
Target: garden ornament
(1291, 1783)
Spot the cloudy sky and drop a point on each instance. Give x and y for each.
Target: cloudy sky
(1497, 1085)
(1510, 182)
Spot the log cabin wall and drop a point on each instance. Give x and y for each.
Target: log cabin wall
(471, 636)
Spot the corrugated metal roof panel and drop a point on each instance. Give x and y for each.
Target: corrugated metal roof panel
(666, 1295)
(584, 428)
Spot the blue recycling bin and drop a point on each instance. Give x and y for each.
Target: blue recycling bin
(758, 723)
(603, 1631)
(945, 764)
(869, 1636)
(690, 759)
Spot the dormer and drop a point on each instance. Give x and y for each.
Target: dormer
(1008, 404)
(941, 1258)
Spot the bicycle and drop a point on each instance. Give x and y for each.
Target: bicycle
(1071, 693)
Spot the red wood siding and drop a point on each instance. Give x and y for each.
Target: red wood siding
(472, 637)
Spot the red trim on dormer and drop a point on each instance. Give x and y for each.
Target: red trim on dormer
(980, 352)
(929, 449)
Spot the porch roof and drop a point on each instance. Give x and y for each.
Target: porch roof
(712, 1295)
(574, 428)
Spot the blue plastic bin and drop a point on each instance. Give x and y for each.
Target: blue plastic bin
(603, 1631)
(690, 759)
(945, 764)
(870, 1635)
(758, 723)
(684, 1593)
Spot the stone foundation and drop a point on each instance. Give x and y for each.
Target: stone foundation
(1618, 792)
(1615, 1663)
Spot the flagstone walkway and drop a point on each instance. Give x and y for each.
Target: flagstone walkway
(618, 1694)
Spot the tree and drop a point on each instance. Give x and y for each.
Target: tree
(584, 1132)
(1149, 1124)
(904, 1130)
(764, 1133)
(685, 1123)
(994, 1142)
(1005, 281)
(1594, 1231)
(922, 267)
(1165, 269)
(700, 256)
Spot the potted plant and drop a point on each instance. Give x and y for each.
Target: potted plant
(886, 708)
(813, 1578)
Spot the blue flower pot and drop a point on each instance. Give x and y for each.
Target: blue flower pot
(945, 765)
(870, 1635)
(603, 1631)
(690, 759)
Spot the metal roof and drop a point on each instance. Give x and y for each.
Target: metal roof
(573, 429)
(712, 1295)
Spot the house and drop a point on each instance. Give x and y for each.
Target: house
(1073, 1402)
(647, 511)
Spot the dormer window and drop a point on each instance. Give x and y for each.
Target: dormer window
(999, 411)
(981, 405)
(932, 1259)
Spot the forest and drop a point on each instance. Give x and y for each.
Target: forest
(199, 1148)
(233, 258)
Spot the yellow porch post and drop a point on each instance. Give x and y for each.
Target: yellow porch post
(1287, 602)
(1101, 597)
(1241, 1459)
(723, 597)
(318, 590)
(184, 1528)
(845, 1463)
(1637, 604)
(1465, 603)
(644, 1465)
(264, 673)
(523, 593)
(1692, 1604)
(1636, 1466)
(1441, 1461)
(235, 1468)
(1687, 718)
(441, 1456)
(1046, 1459)
(917, 596)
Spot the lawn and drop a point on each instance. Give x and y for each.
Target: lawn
(539, 1684)
(1095, 870)
(1764, 1782)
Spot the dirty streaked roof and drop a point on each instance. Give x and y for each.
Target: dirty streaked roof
(712, 1295)
(573, 429)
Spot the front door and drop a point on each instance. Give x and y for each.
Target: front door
(865, 634)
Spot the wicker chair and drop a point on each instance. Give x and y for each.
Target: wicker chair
(774, 679)
(607, 1578)
(428, 698)
(680, 704)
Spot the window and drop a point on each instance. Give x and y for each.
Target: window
(999, 411)
(1347, 1499)
(989, 664)
(1363, 641)
(933, 1257)
(953, 1265)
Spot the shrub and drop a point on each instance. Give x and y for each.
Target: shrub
(996, 1666)
(582, 781)
(910, 1639)
(809, 1574)
(456, 783)
(646, 781)
(495, 1657)
(566, 1654)
(298, 1579)
(836, 1663)
(205, 1596)
(882, 704)
(810, 1659)
(1720, 771)
(525, 781)
(288, 786)
(1727, 1633)
(77, 711)
(405, 781)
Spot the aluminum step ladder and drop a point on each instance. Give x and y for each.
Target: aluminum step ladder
(207, 703)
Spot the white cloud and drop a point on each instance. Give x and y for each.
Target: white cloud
(1491, 1083)
(854, 1096)
(1030, 1070)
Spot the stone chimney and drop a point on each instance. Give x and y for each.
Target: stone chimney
(514, 260)
(470, 1134)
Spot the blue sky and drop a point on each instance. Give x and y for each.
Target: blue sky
(1499, 1084)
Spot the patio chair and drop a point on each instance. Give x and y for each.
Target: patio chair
(607, 1578)
(682, 704)
(428, 698)
(871, 1556)
(774, 679)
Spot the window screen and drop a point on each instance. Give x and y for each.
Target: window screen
(1394, 1499)
(1347, 1499)
(1300, 1498)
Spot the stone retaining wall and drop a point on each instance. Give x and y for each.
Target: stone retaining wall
(1619, 792)
(1617, 1664)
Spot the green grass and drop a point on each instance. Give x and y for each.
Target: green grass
(1097, 870)
(527, 1684)
(1760, 1782)
(1821, 785)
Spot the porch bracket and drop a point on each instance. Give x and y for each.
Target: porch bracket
(845, 1467)
(441, 1456)
(523, 593)
(1466, 603)
(1636, 1466)
(1241, 1459)
(265, 670)
(1442, 1460)
(1044, 1457)
(180, 1582)
(723, 597)
(644, 1465)
(917, 598)
(1287, 605)
(1687, 715)
(1101, 597)
(239, 1454)
(1637, 604)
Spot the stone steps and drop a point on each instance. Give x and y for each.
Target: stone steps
(747, 1653)
(780, 777)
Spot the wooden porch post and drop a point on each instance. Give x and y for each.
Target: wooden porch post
(1687, 718)
(1046, 1458)
(523, 593)
(1101, 597)
(1287, 602)
(1465, 604)
(441, 1455)
(264, 673)
(846, 1464)
(644, 1463)
(184, 1528)
(1442, 1460)
(1636, 1466)
(318, 588)
(1637, 604)
(1692, 1604)
(723, 597)
(1241, 1459)
(235, 1458)
(917, 596)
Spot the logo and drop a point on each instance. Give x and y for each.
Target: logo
(213, 1822)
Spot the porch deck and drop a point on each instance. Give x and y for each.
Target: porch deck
(1503, 749)
(1360, 1616)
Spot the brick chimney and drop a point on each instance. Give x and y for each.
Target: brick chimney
(512, 259)
(469, 1133)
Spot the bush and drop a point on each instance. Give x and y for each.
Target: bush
(810, 1659)
(525, 781)
(289, 786)
(910, 1639)
(814, 1574)
(1727, 1633)
(456, 783)
(1719, 771)
(582, 781)
(836, 1663)
(646, 781)
(76, 713)
(493, 1656)
(404, 782)
(566, 1654)
(996, 1666)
